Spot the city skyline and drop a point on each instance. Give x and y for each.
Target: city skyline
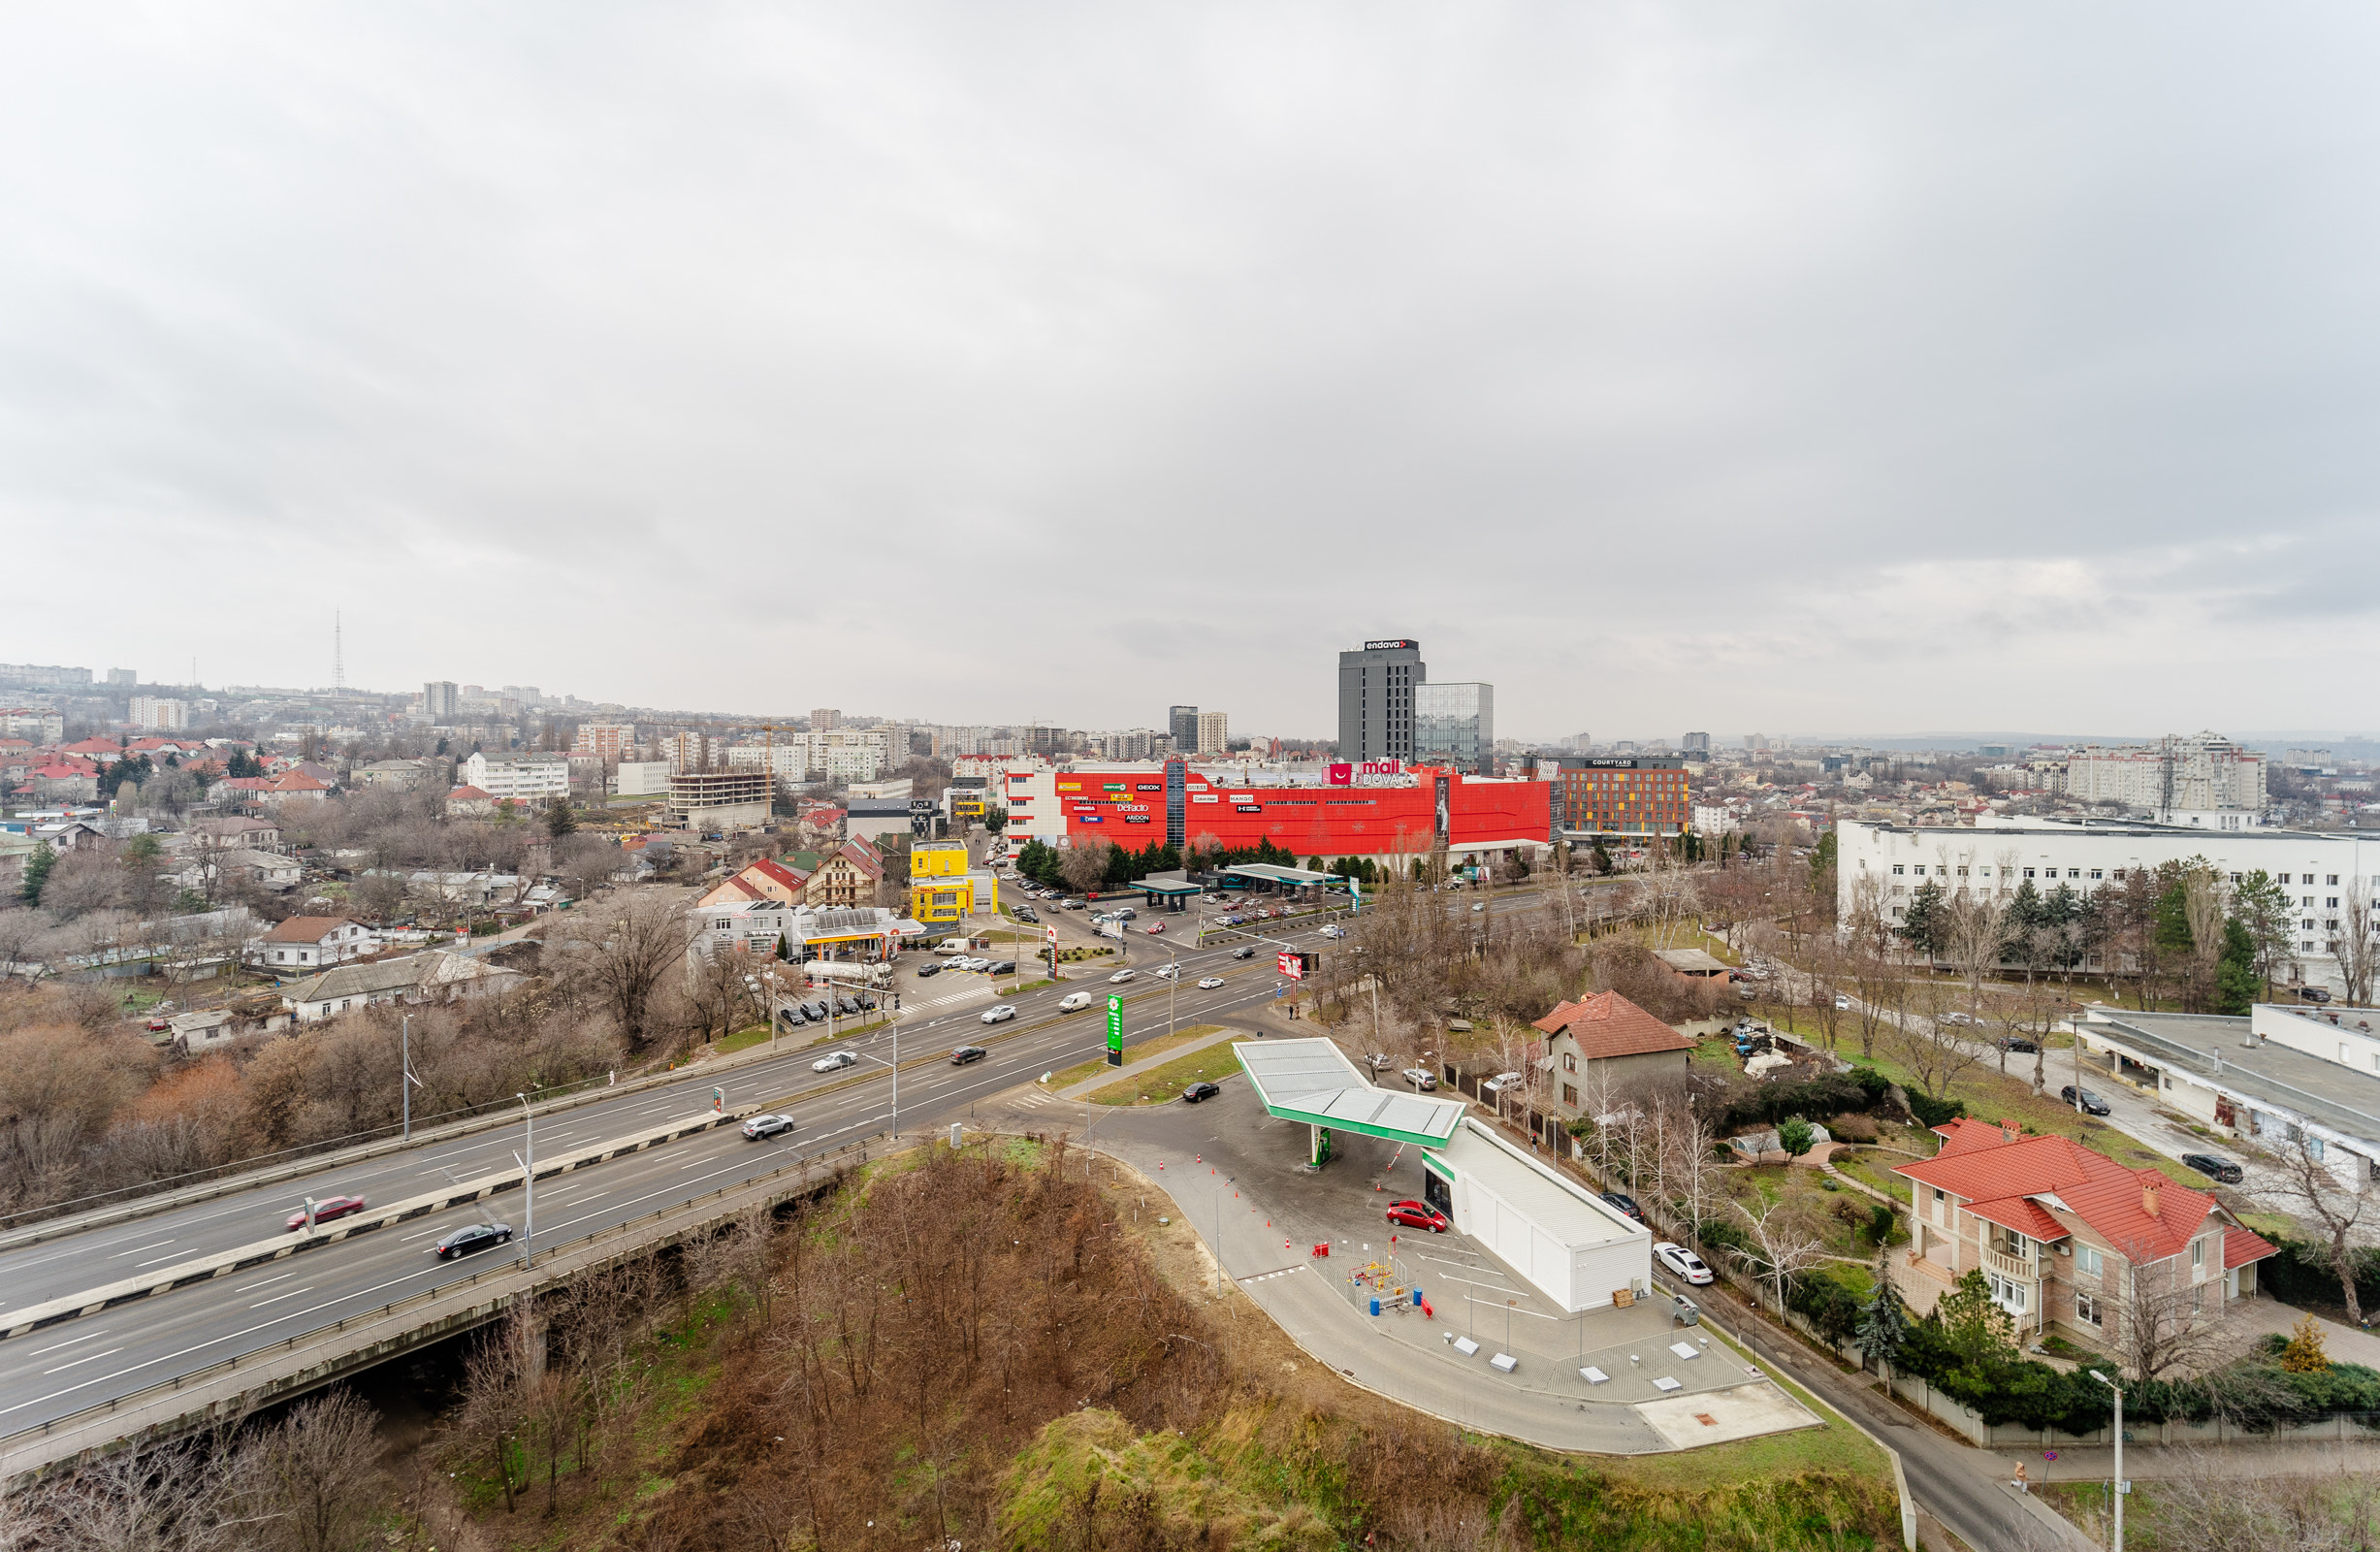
(1834, 398)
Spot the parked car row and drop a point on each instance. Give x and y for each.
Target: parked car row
(798, 1014)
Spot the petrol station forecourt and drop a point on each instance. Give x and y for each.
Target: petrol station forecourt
(1537, 1317)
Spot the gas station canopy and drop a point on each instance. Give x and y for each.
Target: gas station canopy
(1312, 1081)
(1286, 878)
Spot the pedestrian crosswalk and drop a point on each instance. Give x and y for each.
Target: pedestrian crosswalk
(1268, 1276)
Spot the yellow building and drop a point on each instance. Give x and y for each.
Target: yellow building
(941, 890)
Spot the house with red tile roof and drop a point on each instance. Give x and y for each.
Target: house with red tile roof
(764, 880)
(847, 877)
(2067, 1237)
(312, 942)
(1592, 1044)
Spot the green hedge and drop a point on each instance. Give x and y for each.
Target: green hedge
(1932, 1113)
(2301, 1275)
(1862, 1090)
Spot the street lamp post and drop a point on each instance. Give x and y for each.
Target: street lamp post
(529, 1181)
(1173, 994)
(404, 1069)
(2122, 1486)
(895, 1065)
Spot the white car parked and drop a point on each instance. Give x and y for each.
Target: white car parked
(1681, 1261)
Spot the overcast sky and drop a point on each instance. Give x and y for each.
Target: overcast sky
(1795, 368)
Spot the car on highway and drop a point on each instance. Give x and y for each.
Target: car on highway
(1244, 953)
(328, 1207)
(931, 967)
(1209, 983)
(961, 1055)
(2215, 1168)
(469, 1238)
(1166, 972)
(1621, 1203)
(1479, 905)
(1198, 1092)
(1123, 976)
(1333, 930)
(1681, 1261)
(1073, 1001)
(1418, 1215)
(2089, 1103)
(1155, 928)
(834, 1062)
(1071, 905)
(1421, 1078)
(760, 1126)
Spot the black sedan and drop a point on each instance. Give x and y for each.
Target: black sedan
(2089, 1103)
(931, 967)
(469, 1238)
(2019, 1042)
(1622, 1202)
(2215, 1168)
(961, 1055)
(1198, 1092)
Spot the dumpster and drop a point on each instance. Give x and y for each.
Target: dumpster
(1683, 1310)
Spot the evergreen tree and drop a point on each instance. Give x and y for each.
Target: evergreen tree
(1795, 1136)
(1884, 1320)
(36, 872)
(2237, 982)
(558, 819)
(1923, 925)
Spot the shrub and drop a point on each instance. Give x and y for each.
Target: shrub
(1849, 1127)
(1931, 1112)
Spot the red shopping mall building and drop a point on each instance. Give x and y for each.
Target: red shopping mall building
(1376, 811)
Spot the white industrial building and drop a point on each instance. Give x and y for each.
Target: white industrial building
(2321, 870)
(527, 778)
(1557, 1235)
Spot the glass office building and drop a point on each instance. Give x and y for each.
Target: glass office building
(1455, 723)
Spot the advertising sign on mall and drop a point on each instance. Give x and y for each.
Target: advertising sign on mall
(1294, 965)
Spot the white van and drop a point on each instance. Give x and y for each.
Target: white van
(1074, 1002)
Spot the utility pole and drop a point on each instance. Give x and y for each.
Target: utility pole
(529, 1181)
(2122, 1487)
(404, 1081)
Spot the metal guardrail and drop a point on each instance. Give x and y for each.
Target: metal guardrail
(290, 1344)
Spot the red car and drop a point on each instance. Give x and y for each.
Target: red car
(1419, 1215)
(328, 1207)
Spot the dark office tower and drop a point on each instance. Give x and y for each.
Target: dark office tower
(1181, 723)
(1375, 699)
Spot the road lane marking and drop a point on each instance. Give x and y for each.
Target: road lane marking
(137, 1250)
(79, 1362)
(251, 1287)
(278, 1296)
(93, 1336)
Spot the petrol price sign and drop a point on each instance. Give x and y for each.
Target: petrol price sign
(1115, 1030)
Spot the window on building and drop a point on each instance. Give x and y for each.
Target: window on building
(2198, 1255)
(2089, 1261)
(2330, 878)
(2028, 872)
(1898, 869)
(2073, 872)
(1569, 1095)
(1569, 1061)
(2086, 1309)
(1962, 872)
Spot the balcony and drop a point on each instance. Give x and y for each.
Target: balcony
(2015, 1268)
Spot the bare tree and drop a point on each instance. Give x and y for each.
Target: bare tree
(617, 954)
(1784, 1243)
(2355, 944)
(2342, 1211)
(313, 1483)
(1084, 866)
(2203, 1506)
(1928, 1043)
(2167, 1325)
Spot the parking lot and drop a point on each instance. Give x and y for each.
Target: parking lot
(1241, 1179)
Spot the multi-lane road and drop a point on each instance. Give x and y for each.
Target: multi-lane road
(63, 1367)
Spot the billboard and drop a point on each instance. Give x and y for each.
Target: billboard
(1294, 965)
(1115, 1030)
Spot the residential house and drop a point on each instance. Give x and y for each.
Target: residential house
(206, 1028)
(211, 869)
(64, 835)
(467, 799)
(848, 877)
(1593, 1047)
(436, 976)
(61, 782)
(296, 786)
(238, 830)
(2067, 1237)
(311, 942)
(15, 852)
(764, 880)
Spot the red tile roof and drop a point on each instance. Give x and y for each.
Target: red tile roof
(863, 856)
(297, 781)
(776, 871)
(467, 794)
(1608, 1024)
(2244, 1245)
(1977, 1163)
